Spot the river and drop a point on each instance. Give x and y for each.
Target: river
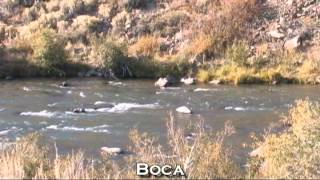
(40, 105)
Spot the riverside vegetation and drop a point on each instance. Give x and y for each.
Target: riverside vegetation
(236, 42)
(292, 151)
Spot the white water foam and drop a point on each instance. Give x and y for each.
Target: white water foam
(43, 113)
(96, 129)
(26, 89)
(100, 103)
(7, 131)
(118, 108)
(170, 88)
(52, 105)
(81, 94)
(99, 95)
(238, 108)
(114, 83)
(204, 90)
(2, 109)
(123, 107)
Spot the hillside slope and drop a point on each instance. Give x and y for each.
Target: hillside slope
(233, 41)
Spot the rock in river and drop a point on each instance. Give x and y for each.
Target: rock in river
(165, 82)
(215, 82)
(184, 110)
(64, 84)
(188, 81)
(162, 82)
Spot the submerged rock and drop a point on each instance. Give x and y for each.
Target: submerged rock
(102, 105)
(215, 82)
(112, 150)
(184, 110)
(191, 136)
(188, 81)
(79, 110)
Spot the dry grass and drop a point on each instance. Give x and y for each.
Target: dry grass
(26, 159)
(293, 153)
(146, 46)
(201, 45)
(203, 76)
(203, 157)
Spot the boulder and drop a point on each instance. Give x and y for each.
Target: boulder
(112, 150)
(318, 80)
(215, 82)
(188, 81)
(92, 73)
(64, 84)
(293, 43)
(9, 78)
(162, 82)
(165, 82)
(184, 110)
(276, 34)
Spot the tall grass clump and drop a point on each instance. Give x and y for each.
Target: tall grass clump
(294, 152)
(238, 53)
(48, 51)
(228, 21)
(27, 159)
(23, 160)
(204, 157)
(203, 76)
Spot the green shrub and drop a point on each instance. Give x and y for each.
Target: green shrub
(238, 53)
(109, 55)
(48, 50)
(134, 4)
(170, 23)
(146, 68)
